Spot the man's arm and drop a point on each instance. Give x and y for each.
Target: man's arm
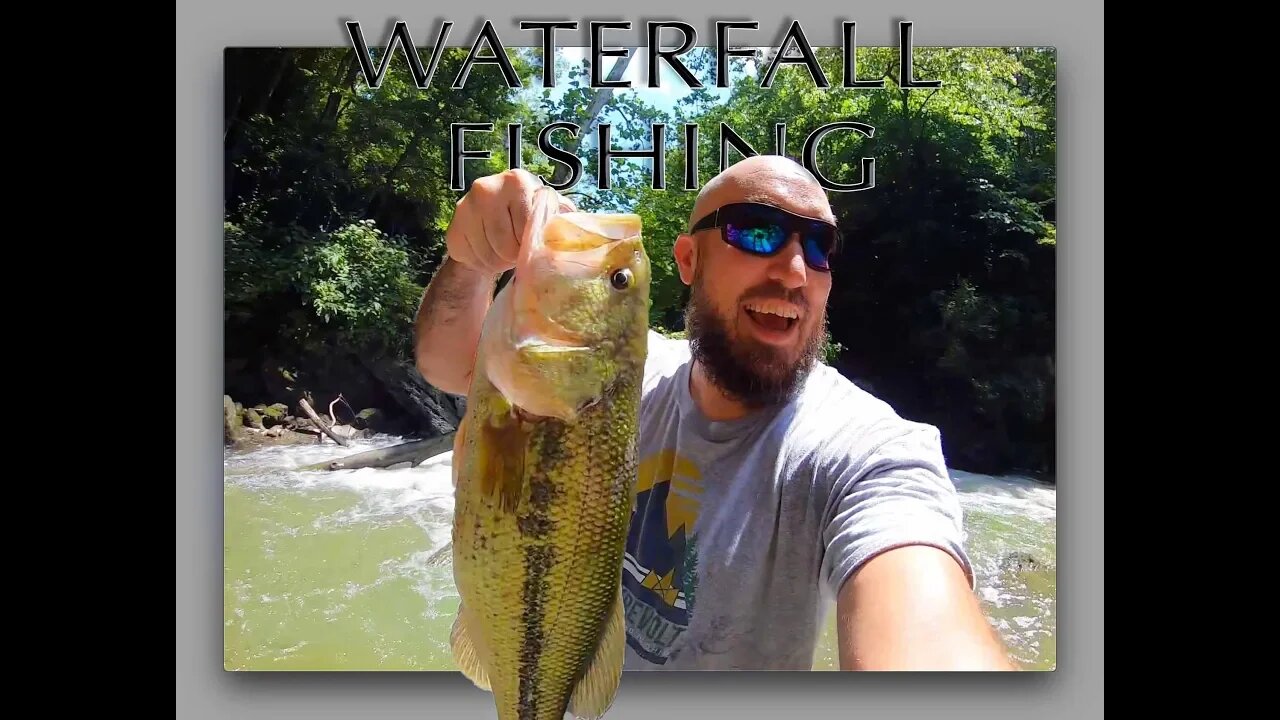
(447, 326)
(483, 241)
(911, 608)
(895, 557)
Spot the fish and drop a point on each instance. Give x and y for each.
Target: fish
(545, 466)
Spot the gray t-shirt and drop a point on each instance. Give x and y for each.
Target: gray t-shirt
(742, 532)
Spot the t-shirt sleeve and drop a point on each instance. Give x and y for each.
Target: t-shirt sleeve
(899, 493)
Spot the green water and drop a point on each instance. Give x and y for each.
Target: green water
(328, 571)
(353, 596)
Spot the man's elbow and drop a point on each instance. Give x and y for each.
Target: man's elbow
(442, 376)
(426, 369)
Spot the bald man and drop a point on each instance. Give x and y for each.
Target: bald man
(771, 487)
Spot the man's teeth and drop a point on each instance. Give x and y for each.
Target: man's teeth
(779, 309)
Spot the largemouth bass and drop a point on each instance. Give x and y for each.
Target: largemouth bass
(545, 467)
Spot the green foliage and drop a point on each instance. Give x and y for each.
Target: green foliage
(360, 280)
(944, 294)
(831, 349)
(338, 197)
(355, 284)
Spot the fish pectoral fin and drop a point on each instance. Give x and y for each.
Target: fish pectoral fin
(505, 439)
(596, 690)
(464, 653)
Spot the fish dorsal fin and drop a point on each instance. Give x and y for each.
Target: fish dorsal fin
(598, 686)
(464, 652)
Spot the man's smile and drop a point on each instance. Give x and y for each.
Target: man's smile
(772, 321)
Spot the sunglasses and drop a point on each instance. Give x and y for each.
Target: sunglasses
(763, 230)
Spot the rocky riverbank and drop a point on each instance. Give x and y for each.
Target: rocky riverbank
(334, 406)
(247, 428)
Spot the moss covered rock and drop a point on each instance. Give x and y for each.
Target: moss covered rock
(232, 428)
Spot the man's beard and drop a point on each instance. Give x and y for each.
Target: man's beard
(755, 374)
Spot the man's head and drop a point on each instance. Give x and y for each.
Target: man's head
(755, 322)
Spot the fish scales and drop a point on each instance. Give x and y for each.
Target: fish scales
(557, 550)
(545, 473)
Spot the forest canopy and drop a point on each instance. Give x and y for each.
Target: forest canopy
(338, 195)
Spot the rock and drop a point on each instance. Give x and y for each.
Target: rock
(370, 419)
(278, 435)
(1019, 562)
(252, 419)
(435, 412)
(276, 414)
(232, 429)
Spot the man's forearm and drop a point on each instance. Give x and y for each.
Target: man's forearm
(447, 326)
(911, 608)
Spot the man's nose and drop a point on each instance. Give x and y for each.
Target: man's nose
(787, 267)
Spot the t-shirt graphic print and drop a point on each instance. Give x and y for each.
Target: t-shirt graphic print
(660, 566)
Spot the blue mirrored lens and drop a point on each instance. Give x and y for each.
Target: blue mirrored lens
(817, 251)
(760, 238)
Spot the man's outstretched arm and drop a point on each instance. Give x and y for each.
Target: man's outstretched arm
(911, 608)
(896, 559)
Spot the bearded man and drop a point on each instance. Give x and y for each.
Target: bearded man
(771, 488)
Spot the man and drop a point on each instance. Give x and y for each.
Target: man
(769, 484)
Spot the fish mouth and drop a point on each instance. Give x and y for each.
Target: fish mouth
(552, 335)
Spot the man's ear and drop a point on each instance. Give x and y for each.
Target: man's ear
(686, 252)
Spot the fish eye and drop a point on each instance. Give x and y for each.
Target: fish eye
(621, 279)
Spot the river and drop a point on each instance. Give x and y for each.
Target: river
(328, 571)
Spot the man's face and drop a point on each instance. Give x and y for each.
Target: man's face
(756, 323)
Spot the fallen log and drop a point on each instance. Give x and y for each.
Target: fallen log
(414, 452)
(306, 407)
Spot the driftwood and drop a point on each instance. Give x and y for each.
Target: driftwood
(414, 452)
(306, 407)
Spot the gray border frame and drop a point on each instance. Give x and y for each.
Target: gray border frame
(1074, 690)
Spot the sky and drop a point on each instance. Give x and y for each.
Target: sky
(672, 89)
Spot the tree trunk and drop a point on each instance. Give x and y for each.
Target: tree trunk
(437, 412)
(332, 108)
(384, 189)
(601, 98)
(414, 452)
(306, 407)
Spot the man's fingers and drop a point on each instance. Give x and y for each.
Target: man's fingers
(472, 250)
(520, 209)
(499, 243)
(490, 222)
(460, 250)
